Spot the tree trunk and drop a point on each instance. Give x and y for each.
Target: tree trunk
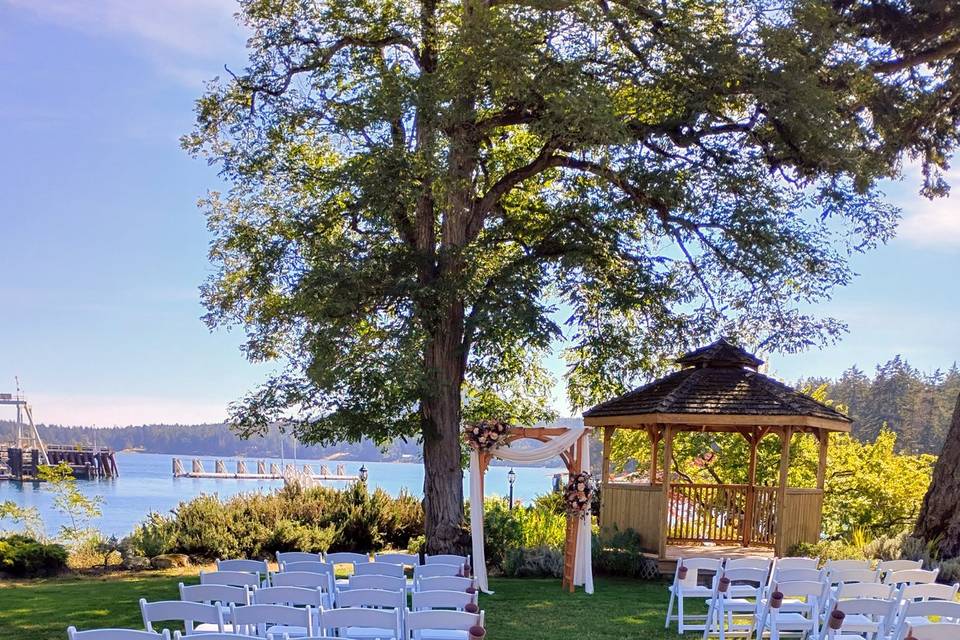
(940, 514)
(440, 408)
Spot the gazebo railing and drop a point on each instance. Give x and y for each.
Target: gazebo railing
(722, 514)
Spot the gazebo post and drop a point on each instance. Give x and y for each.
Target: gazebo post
(605, 469)
(785, 436)
(823, 436)
(654, 433)
(753, 438)
(665, 489)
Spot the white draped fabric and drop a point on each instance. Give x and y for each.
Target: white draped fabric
(575, 436)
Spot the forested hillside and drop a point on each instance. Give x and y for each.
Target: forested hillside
(914, 404)
(208, 439)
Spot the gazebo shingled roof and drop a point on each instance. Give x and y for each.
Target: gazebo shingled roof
(719, 379)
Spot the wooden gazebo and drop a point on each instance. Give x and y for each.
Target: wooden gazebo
(717, 390)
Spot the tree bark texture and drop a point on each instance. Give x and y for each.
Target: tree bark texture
(940, 514)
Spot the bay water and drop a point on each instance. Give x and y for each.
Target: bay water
(146, 484)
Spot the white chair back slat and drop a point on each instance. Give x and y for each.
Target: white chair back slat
(877, 590)
(191, 614)
(444, 583)
(298, 556)
(434, 570)
(230, 578)
(273, 619)
(215, 593)
(355, 621)
(387, 583)
(845, 565)
(346, 557)
(428, 600)
(748, 562)
(886, 566)
(937, 631)
(796, 575)
(853, 575)
(437, 621)
(249, 566)
(291, 596)
(116, 634)
(406, 559)
(379, 569)
(372, 598)
(911, 576)
(308, 566)
(446, 558)
(932, 591)
(218, 636)
(796, 563)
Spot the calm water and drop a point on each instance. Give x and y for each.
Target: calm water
(146, 483)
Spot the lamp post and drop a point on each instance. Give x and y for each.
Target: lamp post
(511, 478)
(364, 474)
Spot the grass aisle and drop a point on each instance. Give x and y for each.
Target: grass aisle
(520, 609)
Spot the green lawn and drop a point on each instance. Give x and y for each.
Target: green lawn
(520, 609)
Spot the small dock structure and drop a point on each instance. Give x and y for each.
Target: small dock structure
(21, 460)
(265, 471)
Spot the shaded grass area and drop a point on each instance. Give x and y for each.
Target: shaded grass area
(520, 609)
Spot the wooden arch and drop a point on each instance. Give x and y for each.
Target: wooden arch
(573, 459)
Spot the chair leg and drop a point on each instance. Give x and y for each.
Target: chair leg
(681, 629)
(669, 609)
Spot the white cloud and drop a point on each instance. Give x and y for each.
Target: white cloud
(186, 39)
(929, 223)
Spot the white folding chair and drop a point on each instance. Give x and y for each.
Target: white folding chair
(230, 578)
(359, 624)
(297, 556)
(779, 575)
(312, 566)
(919, 614)
(372, 599)
(833, 580)
(346, 557)
(290, 596)
(690, 572)
(406, 559)
(803, 617)
(861, 617)
(307, 580)
(249, 566)
(736, 602)
(456, 600)
(273, 620)
(215, 594)
(447, 558)
(911, 576)
(195, 616)
(938, 631)
(379, 569)
(388, 583)
(116, 634)
(441, 625)
(444, 583)
(217, 636)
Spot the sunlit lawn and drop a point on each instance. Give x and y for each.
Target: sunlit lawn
(520, 609)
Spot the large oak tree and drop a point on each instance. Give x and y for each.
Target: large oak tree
(428, 195)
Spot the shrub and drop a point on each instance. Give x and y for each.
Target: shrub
(24, 557)
(92, 550)
(949, 571)
(620, 553)
(886, 547)
(502, 531)
(827, 550)
(540, 562)
(290, 535)
(153, 537)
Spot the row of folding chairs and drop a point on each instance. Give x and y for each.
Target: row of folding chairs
(276, 622)
(745, 601)
(697, 578)
(371, 615)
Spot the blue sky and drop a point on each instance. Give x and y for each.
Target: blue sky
(102, 247)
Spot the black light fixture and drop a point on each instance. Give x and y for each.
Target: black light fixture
(363, 473)
(511, 478)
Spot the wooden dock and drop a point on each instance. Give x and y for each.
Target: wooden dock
(265, 471)
(86, 462)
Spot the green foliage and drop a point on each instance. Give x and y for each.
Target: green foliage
(534, 562)
(154, 536)
(502, 531)
(70, 501)
(827, 550)
(94, 551)
(25, 557)
(255, 525)
(26, 518)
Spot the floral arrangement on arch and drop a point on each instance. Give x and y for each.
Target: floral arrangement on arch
(578, 494)
(484, 435)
